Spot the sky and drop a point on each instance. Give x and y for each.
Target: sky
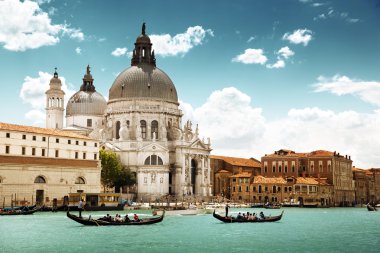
(257, 76)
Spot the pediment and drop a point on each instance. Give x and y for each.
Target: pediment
(198, 144)
(153, 147)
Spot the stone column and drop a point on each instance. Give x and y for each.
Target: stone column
(203, 179)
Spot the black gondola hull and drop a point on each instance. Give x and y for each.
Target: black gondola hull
(234, 220)
(92, 222)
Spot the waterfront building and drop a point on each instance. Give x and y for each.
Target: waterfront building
(373, 185)
(142, 123)
(335, 168)
(38, 165)
(360, 181)
(223, 167)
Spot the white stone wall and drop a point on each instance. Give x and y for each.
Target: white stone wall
(18, 180)
(81, 121)
(50, 145)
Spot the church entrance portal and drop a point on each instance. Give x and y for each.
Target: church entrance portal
(193, 171)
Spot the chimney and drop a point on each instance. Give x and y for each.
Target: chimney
(349, 157)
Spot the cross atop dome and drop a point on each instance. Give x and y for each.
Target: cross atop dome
(143, 52)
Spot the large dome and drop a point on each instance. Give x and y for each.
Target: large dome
(86, 103)
(143, 81)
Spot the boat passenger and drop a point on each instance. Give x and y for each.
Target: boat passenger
(126, 218)
(262, 216)
(239, 216)
(136, 217)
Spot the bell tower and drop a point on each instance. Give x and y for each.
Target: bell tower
(55, 103)
(143, 52)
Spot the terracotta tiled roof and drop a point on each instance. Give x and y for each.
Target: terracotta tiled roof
(39, 130)
(243, 174)
(321, 153)
(354, 169)
(268, 180)
(306, 180)
(223, 171)
(236, 161)
(287, 155)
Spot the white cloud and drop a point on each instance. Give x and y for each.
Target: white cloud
(251, 39)
(277, 65)
(33, 93)
(285, 52)
(78, 50)
(73, 33)
(299, 36)
(368, 91)
(251, 56)
(119, 51)
(180, 44)
(318, 4)
(236, 128)
(23, 25)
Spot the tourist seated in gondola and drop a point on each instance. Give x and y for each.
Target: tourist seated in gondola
(239, 216)
(262, 216)
(126, 218)
(118, 218)
(136, 217)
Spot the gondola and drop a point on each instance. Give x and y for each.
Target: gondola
(96, 222)
(230, 219)
(272, 206)
(19, 212)
(371, 208)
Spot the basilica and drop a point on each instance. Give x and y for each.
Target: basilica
(141, 122)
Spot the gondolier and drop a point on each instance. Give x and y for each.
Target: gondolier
(80, 208)
(227, 210)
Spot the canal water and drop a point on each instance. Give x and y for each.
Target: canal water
(300, 230)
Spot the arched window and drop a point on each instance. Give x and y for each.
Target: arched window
(80, 180)
(40, 180)
(274, 189)
(279, 168)
(1, 180)
(154, 129)
(143, 129)
(117, 130)
(259, 188)
(153, 160)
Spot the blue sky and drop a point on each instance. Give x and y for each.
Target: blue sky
(298, 74)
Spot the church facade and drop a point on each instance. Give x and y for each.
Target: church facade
(142, 123)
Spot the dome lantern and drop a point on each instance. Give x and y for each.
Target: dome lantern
(88, 81)
(143, 52)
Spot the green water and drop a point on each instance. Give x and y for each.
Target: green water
(300, 230)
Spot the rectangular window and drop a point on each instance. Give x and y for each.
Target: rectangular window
(76, 142)
(44, 138)
(84, 143)
(6, 149)
(239, 188)
(247, 188)
(8, 135)
(76, 155)
(84, 155)
(43, 152)
(57, 140)
(96, 144)
(234, 189)
(89, 122)
(68, 141)
(33, 151)
(34, 138)
(24, 137)
(23, 150)
(95, 156)
(56, 153)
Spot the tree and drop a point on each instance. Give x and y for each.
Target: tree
(113, 174)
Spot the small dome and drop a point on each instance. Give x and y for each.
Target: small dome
(143, 39)
(86, 103)
(143, 81)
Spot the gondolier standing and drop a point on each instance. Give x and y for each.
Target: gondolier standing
(227, 210)
(80, 207)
